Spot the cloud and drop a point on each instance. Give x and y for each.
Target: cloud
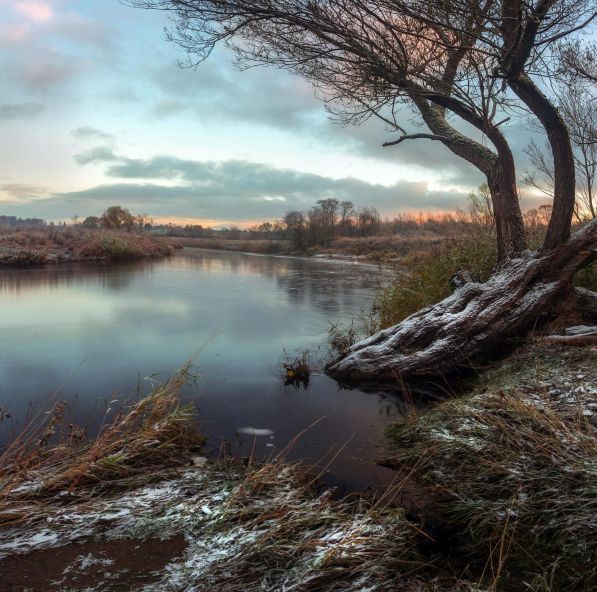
(44, 47)
(11, 34)
(96, 155)
(84, 32)
(34, 10)
(215, 89)
(18, 192)
(91, 133)
(217, 201)
(232, 190)
(20, 111)
(51, 69)
(277, 100)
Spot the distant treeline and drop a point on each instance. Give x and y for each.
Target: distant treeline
(326, 220)
(14, 222)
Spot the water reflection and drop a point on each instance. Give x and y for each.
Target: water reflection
(14, 280)
(85, 333)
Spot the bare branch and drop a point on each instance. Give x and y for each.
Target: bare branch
(443, 139)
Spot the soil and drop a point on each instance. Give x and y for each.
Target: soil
(113, 565)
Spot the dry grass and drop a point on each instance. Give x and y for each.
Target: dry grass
(423, 276)
(388, 248)
(297, 371)
(58, 244)
(286, 537)
(53, 456)
(247, 526)
(374, 248)
(512, 483)
(116, 246)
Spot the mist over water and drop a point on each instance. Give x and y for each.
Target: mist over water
(89, 334)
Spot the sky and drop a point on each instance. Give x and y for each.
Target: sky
(95, 110)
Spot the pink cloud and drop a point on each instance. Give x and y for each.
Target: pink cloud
(34, 10)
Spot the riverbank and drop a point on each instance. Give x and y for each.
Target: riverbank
(53, 244)
(506, 473)
(375, 249)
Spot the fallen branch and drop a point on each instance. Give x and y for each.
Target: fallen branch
(584, 339)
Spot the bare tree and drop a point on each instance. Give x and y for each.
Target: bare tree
(346, 214)
(329, 209)
(296, 228)
(142, 221)
(476, 61)
(368, 221)
(481, 207)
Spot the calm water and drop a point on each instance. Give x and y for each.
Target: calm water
(85, 334)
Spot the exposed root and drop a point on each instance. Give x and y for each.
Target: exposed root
(472, 322)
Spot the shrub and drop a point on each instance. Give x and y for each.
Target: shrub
(117, 246)
(114, 247)
(55, 244)
(587, 277)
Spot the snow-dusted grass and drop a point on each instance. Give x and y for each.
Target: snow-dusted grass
(511, 476)
(269, 531)
(245, 529)
(513, 473)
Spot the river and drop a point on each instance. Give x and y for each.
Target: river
(89, 334)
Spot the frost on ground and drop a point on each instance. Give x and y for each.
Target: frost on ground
(262, 530)
(512, 468)
(563, 379)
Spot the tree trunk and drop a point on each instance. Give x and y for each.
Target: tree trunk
(501, 180)
(472, 322)
(563, 158)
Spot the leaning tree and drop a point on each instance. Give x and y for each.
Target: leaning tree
(449, 61)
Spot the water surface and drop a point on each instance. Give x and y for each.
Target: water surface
(88, 333)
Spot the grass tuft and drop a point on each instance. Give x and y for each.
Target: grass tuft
(298, 371)
(51, 458)
(423, 278)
